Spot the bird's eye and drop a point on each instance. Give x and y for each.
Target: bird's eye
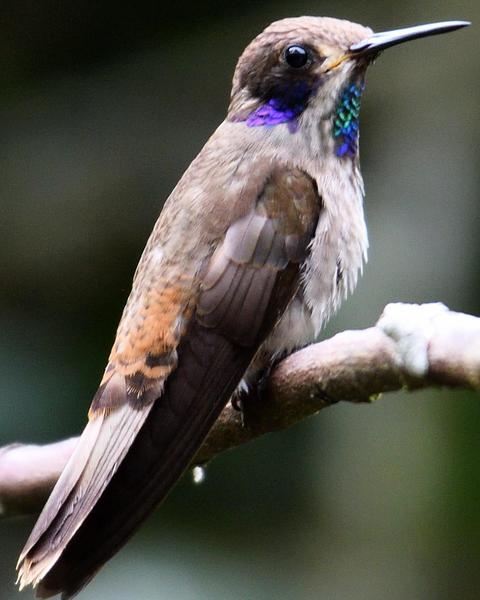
(296, 56)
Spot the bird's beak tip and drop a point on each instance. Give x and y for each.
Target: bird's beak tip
(385, 39)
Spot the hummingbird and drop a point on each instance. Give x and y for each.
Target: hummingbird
(255, 248)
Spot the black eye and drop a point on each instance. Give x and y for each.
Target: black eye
(296, 56)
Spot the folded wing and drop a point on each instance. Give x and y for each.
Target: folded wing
(145, 424)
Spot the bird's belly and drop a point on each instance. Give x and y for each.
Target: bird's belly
(294, 330)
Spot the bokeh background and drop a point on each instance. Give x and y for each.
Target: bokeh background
(102, 107)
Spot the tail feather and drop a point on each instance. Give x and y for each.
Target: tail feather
(101, 448)
(171, 434)
(65, 484)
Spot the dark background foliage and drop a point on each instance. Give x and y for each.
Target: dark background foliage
(102, 107)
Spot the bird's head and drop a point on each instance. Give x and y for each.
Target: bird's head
(312, 67)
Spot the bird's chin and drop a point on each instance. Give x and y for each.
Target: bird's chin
(332, 84)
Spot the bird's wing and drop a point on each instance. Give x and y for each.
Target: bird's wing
(145, 427)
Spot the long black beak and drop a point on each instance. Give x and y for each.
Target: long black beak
(379, 41)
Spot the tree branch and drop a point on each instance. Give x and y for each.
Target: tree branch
(411, 347)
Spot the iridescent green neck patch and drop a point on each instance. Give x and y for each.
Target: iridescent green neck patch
(346, 120)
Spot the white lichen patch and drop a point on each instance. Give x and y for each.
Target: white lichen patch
(411, 327)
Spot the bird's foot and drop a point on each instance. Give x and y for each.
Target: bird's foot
(238, 403)
(249, 396)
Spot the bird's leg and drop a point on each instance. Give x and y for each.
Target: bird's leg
(252, 392)
(238, 400)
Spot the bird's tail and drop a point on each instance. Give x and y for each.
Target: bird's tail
(64, 554)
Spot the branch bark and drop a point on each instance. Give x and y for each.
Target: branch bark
(410, 347)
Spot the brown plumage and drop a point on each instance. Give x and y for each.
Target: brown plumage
(254, 249)
(235, 299)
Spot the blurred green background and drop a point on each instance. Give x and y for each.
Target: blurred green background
(102, 107)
